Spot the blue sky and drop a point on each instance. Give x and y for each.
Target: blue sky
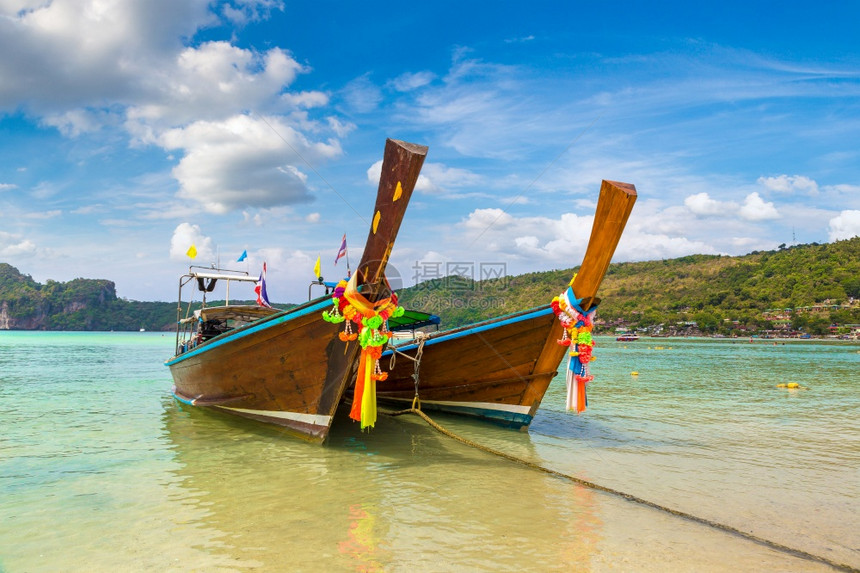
(130, 130)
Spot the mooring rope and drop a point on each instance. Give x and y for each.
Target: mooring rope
(629, 497)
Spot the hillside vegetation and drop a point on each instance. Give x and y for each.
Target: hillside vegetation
(80, 304)
(712, 291)
(716, 293)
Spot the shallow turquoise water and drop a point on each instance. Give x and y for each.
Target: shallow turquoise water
(101, 470)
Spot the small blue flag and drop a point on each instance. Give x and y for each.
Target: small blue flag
(242, 257)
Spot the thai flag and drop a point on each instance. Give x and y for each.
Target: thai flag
(260, 289)
(341, 251)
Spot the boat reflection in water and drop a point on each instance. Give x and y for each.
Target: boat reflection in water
(403, 496)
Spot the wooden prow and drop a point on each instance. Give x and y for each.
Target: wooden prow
(613, 209)
(401, 165)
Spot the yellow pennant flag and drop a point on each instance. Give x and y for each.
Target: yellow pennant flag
(192, 251)
(317, 267)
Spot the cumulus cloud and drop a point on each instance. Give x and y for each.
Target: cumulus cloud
(116, 46)
(186, 235)
(756, 209)
(561, 242)
(789, 184)
(702, 204)
(244, 12)
(7, 186)
(845, 225)
(132, 71)
(241, 162)
(13, 245)
(214, 81)
(486, 219)
(132, 54)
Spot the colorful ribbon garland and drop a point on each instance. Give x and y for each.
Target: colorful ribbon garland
(350, 306)
(577, 324)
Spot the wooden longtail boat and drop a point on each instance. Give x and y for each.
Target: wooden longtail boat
(289, 367)
(500, 369)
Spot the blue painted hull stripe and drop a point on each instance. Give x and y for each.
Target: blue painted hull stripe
(252, 330)
(183, 400)
(469, 331)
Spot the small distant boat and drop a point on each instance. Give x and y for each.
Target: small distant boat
(287, 367)
(627, 338)
(500, 369)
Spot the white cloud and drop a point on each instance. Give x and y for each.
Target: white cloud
(530, 242)
(789, 184)
(75, 122)
(7, 186)
(44, 214)
(305, 99)
(240, 162)
(411, 81)
(546, 242)
(756, 209)
(845, 225)
(340, 128)
(215, 81)
(132, 71)
(702, 204)
(244, 12)
(13, 245)
(362, 95)
(116, 46)
(312, 218)
(520, 40)
(485, 219)
(186, 235)
(844, 188)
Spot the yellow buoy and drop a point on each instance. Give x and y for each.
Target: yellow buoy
(634, 373)
(792, 386)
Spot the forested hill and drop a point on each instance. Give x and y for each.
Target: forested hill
(80, 304)
(710, 290)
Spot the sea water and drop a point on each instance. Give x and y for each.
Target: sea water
(102, 470)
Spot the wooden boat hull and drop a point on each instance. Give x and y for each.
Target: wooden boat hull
(289, 369)
(497, 370)
(500, 369)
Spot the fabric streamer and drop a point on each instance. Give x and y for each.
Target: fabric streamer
(371, 319)
(577, 324)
